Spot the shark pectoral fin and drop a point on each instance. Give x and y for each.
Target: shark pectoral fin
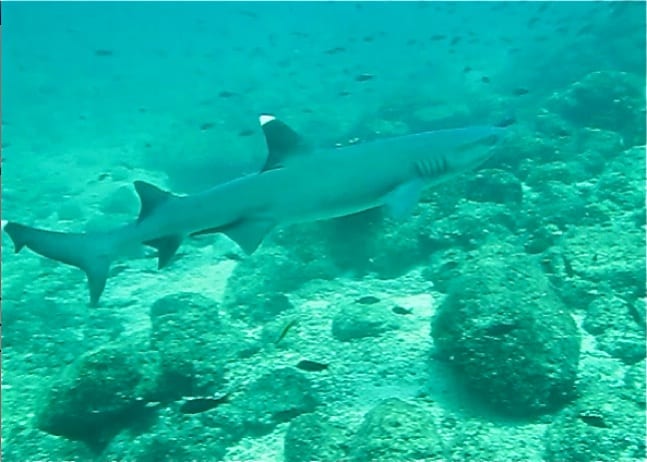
(166, 248)
(402, 200)
(151, 197)
(282, 142)
(248, 234)
(97, 273)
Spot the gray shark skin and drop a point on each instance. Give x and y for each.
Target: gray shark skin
(297, 184)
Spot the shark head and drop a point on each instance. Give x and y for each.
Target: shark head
(442, 154)
(475, 149)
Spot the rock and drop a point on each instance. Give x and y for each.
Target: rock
(122, 201)
(622, 183)
(397, 430)
(204, 437)
(313, 437)
(600, 426)
(485, 440)
(508, 334)
(608, 100)
(611, 254)
(256, 290)
(634, 389)
(557, 204)
(277, 396)
(96, 396)
(355, 321)
(617, 332)
(469, 226)
(492, 185)
(70, 210)
(193, 345)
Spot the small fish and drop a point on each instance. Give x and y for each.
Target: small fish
(367, 300)
(335, 50)
(438, 37)
(455, 40)
(311, 366)
(198, 405)
(291, 323)
(594, 420)
(485, 79)
(246, 132)
(343, 93)
(364, 77)
(248, 13)
(206, 126)
(520, 91)
(467, 69)
(400, 310)
(226, 94)
(103, 52)
(368, 38)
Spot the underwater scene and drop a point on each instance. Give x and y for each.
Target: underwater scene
(341, 231)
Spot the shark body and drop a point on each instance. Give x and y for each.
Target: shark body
(297, 184)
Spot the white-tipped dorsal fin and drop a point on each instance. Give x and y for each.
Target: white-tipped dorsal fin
(4, 223)
(282, 141)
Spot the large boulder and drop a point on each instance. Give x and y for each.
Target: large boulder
(397, 430)
(610, 100)
(600, 426)
(193, 345)
(313, 437)
(508, 334)
(92, 399)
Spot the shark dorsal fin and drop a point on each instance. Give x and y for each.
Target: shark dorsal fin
(282, 141)
(150, 197)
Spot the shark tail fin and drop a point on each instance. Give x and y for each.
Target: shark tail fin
(90, 252)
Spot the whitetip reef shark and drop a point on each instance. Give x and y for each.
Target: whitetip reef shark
(296, 184)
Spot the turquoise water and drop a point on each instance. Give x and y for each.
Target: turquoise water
(503, 320)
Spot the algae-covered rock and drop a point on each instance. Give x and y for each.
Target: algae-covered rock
(256, 290)
(313, 437)
(634, 389)
(193, 345)
(622, 183)
(493, 185)
(612, 254)
(483, 440)
(179, 437)
(275, 397)
(397, 430)
(610, 100)
(618, 330)
(599, 426)
(121, 201)
(70, 209)
(509, 335)
(93, 398)
(557, 203)
(357, 320)
(471, 225)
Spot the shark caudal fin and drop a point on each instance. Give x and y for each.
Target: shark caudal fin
(89, 252)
